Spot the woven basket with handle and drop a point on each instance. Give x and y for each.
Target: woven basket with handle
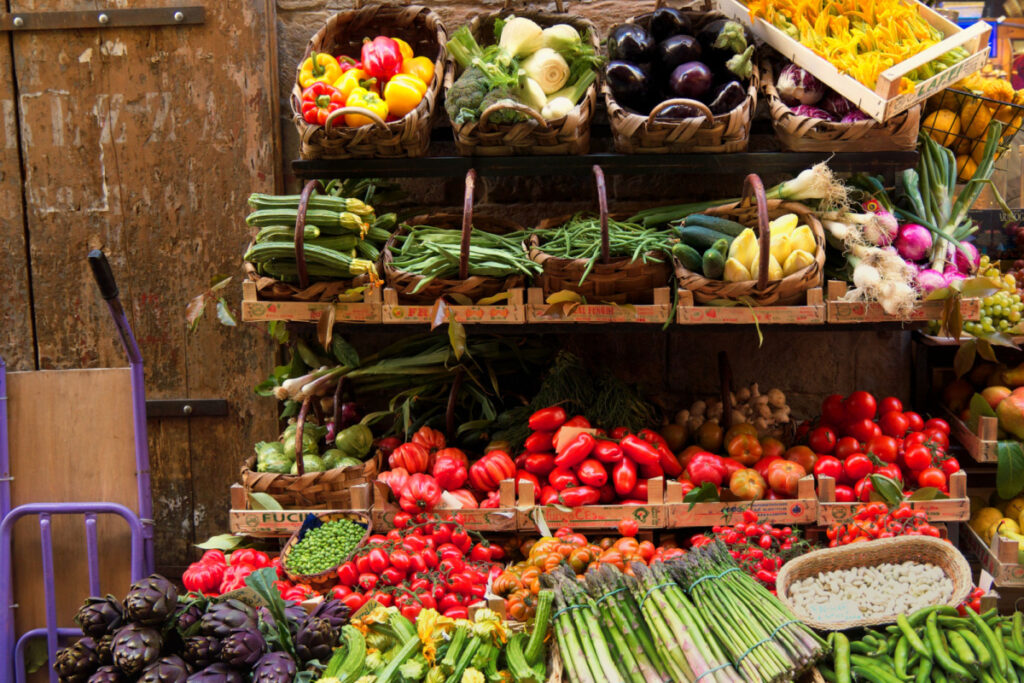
(634, 133)
(803, 134)
(755, 211)
(475, 287)
(922, 549)
(567, 135)
(343, 34)
(302, 290)
(328, 578)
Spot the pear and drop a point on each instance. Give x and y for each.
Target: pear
(780, 248)
(774, 269)
(802, 238)
(783, 225)
(798, 260)
(735, 271)
(744, 248)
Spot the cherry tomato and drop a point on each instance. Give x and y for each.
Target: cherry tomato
(894, 423)
(845, 447)
(353, 601)
(480, 553)
(822, 440)
(629, 527)
(891, 471)
(402, 520)
(400, 560)
(857, 466)
(832, 411)
(950, 465)
(367, 581)
(884, 448)
(932, 476)
(863, 430)
(936, 437)
(914, 439)
(385, 599)
(890, 404)
(378, 560)
(860, 405)
(828, 466)
(937, 423)
(392, 576)
(863, 490)
(917, 457)
(844, 494)
(916, 423)
(348, 575)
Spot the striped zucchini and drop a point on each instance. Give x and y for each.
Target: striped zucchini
(281, 233)
(344, 264)
(263, 202)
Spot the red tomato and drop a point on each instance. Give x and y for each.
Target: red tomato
(863, 490)
(378, 560)
(592, 473)
(354, 601)
(347, 574)
(828, 466)
(916, 423)
(932, 476)
(937, 436)
(894, 423)
(822, 440)
(803, 456)
(914, 439)
(844, 494)
(860, 405)
(832, 410)
(937, 423)
(857, 466)
(891, 471)
(863, 430)
(917, 458)
(950, 465)
(629, 527)
(890, 404)
(845, 447)
(367, 581)
(392, 576)
(884, 448)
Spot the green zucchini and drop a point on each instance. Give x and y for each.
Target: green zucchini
(262, 202)
(722, 247)
(355, 655)
(713, 264)
(283, 233)
(702, 239)
(687, 255)
(516, 660)
(534, 650)
(723, 225)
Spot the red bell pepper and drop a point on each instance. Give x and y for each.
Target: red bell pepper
(624, 477)
(319, 101)
(579, 496)
(539, 442)
(641, 452)
(576, 451)
(562, 478)
(548, 419)
(522, 476)
(540, 464)
(421, 494)
(607, 451)
(548, 495)
(381, 58)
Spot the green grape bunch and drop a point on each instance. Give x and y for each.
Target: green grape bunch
(1001, 311)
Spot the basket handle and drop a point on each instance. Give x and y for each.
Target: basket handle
(753, 188)
(300, 422)
(522, 108)
(467, 223)
(559, 6)
(602, 206)
(725, 382)
(377, 121)
(699, 106)
(300, 228)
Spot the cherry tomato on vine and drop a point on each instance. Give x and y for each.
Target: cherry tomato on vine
(860, 405)
(894, 424)
(890, 404)
(949, 466)
(937, 423)
(917, 458)
(916, 423)
(891, 471)
(932, 476)
(884, 448)
(822, 440)
(936, 437)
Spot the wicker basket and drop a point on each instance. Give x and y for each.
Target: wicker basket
(803, 134)
(756, 212)
(634, 133)
(618, 280)
(272, 289)
(475, 287)
(327, 579)
(967, 138)
(343, 33)
(924, 549)
(567, 135)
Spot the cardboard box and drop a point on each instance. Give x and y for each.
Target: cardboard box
(810, 313)
(956, 508)
(800, 510)
(596, 312)
(509, 313)
(255, 309)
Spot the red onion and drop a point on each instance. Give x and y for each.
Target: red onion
(929, 280)
(913, 242)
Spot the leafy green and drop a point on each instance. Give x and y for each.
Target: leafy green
(1010, 470)
(262, 582)
(706, 492)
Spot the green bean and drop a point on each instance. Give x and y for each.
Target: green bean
(900, 656)
(903, 625)
(841, 656)
(962, 650)
(981, 652)
(924, 670)
(939, 651)
(994, 645)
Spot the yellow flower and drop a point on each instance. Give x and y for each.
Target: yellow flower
(431, 627)
(472, 675)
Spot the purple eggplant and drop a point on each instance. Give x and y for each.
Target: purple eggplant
(691, 80)
(721, 40)
(727, 97)
(677, 50)
(629, 83)
(630, 43)
(667, 22)
(679, 111)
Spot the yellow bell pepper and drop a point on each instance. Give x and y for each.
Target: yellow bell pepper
(364, 99)
(404, 48)
(319, 66)
(420, 67)
(352, 79)
(403, 93)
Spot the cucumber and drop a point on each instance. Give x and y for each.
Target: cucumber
(722, 247)
(688, 256)
(723, 225)
(702, 239)
(713, 264)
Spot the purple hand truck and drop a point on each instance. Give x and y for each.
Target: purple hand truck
(12, 649)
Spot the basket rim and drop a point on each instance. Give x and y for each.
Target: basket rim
(248, 466)
(364, 517)
(955, 567)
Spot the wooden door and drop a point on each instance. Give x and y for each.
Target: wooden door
(145, 142)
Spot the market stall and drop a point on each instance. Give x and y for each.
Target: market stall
(463, 488)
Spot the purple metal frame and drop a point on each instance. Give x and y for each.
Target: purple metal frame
(52, 632)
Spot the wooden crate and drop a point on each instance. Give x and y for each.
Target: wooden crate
(810, 313)
(872, 312)
(658, 312)
(983, 443)
(478, 519)
(533, 517)
(800, 510)
(999, 558)
(885, 101)
(956, 508)
(244, 520)
(255, 309)
(509, 313)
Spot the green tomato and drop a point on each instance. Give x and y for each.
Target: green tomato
(312, 463)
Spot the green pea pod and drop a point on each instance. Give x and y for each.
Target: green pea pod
(994, 645)
(939, 651)
(912, 638)
(841, 656)
(924, 670)
(827, 673)
(900, 656)
(1017, 632)
(981, 653)
(867, 669)
(962, 651)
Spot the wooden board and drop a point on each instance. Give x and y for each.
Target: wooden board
(885, 101)
(999, 558)
(478, 519)
(650, 516)
(71, 440)
(982, 443)
(872, 312)
(801, 510)
(956, 508)
(812, 312)
(508, 313)
(255, 309)
(281, 523)
(657, 312)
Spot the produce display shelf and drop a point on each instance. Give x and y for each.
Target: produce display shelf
(800, 510)
(999, 558)
(244, 520)
(533, 517)
(810, 313)
(863, 312)
(983, 444)
(255, 309)
(933, 340)
(737, 163)
(509, 313)
(956, 508)
(658, 312)
(503, 518)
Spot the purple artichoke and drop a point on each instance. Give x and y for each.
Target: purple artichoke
(201, 651)
(292, 610)
(105, 650)
(274, 667)
(76, 663)
(100, 616)
(334, 611)
(151, 601)
(222, 618)
(216, 673)
(243, 648)
(315, 640)
(107, 674)
(172, 669)
(135, 648)
(189, 614)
